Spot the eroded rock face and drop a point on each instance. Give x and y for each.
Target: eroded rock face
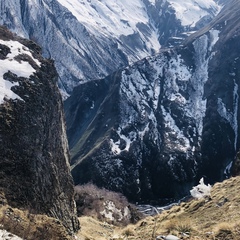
(34, 158)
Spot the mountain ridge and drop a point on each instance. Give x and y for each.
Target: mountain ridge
(85, 48)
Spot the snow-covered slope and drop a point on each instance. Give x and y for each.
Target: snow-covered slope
(90, 39)
(172, 117)
(113, 18)
(190, 12)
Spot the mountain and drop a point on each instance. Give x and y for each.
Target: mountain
(89, 39)
(34, 157)
(153, 129)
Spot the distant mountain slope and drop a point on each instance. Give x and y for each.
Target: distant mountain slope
(170, 118)
(91, 39)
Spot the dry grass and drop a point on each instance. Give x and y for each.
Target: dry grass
(179, 227)
(30, 226)
(129, 231)
(224, 231)
(92, 229)
(216, 218)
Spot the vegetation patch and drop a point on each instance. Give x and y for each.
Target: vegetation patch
(31, 226)
(105, 205)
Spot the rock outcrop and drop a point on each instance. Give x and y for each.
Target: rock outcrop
(34, 157)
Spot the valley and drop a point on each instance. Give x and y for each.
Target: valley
(105, 105)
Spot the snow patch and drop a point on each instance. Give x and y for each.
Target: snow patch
(214, 36)
(5, 90)
(112, 213)
(5, 235)
(196, 105)
(115, 146)
(20, 68)
(227, 170)
(181, 143)
(189, 12)
(112, 18)
(142, 133)
(201, 190)
(177, 72)
(231, 117)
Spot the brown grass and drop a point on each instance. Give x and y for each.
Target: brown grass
(224, 231)
(129, 231)
(92, 229)
(217, 218)
(30, 226)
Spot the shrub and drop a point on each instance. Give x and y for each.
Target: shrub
(106, 205)
(179, 226)
(171, 226)
(224, 231)
(184, 227)
(128, 232)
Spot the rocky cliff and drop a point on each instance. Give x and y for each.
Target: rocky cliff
(34, 158)
(153, 129)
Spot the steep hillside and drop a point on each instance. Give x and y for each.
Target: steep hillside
(34, 157)
(91, 39)
(168, 118)
(213, 218)
(27, 225)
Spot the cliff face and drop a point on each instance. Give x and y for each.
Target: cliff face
(34, 159)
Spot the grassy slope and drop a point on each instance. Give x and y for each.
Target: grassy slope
(28, 225)
(217, 218)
